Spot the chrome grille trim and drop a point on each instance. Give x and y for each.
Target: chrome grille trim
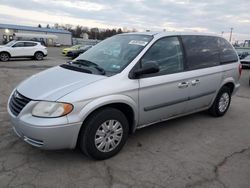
(17, 103)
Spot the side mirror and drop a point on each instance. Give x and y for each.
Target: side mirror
(148, 68)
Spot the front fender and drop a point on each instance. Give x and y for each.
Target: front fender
(106, 100)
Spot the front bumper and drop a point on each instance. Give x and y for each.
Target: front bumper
(64, 52)
(45, 133)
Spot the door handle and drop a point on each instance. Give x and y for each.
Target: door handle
(183, 85)
(195, 82)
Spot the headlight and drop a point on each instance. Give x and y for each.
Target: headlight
(51, 109)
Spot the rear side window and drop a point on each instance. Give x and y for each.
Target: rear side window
(227, 52)
(201, 51)
(30, 44)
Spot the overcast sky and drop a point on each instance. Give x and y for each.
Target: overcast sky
(207, 16)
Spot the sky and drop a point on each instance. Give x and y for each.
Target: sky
(214, 16)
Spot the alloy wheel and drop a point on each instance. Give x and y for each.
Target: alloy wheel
(224, 102)
(4, 57)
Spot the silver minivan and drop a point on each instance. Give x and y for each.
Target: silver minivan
(124, 83)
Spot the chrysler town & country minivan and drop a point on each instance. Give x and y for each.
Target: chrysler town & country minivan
(124, 83)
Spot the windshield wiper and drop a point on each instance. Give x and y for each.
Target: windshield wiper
(88, 64)
(76, 68)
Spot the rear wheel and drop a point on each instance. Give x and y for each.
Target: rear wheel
(4, 56)
(221, 103)
(104, 133)
(39, 56)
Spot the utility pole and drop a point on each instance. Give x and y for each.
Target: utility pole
(231, 32)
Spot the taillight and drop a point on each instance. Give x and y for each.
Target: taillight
(240, 69)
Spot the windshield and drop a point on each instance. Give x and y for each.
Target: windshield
(115, 53)
(10, 43)
(85, 47)
(76, 46)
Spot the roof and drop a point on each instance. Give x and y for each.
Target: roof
(29, 28)
(140, 33)
(168, 33)
(27, 41)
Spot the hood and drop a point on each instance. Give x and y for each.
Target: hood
(67, 49)
(54, 83)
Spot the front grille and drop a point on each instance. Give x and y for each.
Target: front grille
(17, 103)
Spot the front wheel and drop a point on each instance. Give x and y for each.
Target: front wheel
(4, 56)
(39, 56)
(104, 133)
(221, 102)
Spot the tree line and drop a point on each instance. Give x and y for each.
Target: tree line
(93, 33)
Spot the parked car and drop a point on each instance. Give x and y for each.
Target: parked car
(75, 53)
(66, 50)
(122, 84)
(56, 44)
(17, 49)
(245, 61)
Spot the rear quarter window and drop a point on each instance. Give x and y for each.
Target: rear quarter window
(201, 51)
(227, 52)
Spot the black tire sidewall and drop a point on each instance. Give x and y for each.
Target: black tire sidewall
(217, 100)
(7, 55)
(87, 140)
(37, 54)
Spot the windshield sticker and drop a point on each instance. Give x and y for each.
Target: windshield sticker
(116, 66)
(138, 42)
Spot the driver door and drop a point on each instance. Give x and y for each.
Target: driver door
(18, 49)
(163, 94)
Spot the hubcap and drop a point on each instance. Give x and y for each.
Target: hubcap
(108, 135)
(39, 56)
(224, 102)
(4, 57)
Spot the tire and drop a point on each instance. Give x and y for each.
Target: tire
(94, 135)
(39, 56)
(221, 102)
(4, 56)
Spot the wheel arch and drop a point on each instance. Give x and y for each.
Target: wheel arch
(39, 51)
(123, 103)
(229, 82)
(128, 107)
(230, 85)
(6, 52)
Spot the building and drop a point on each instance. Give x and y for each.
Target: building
(83, 41)
(48, 35)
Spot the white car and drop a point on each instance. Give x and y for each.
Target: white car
(18, 49)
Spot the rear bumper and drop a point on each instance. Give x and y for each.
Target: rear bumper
(236, 88)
